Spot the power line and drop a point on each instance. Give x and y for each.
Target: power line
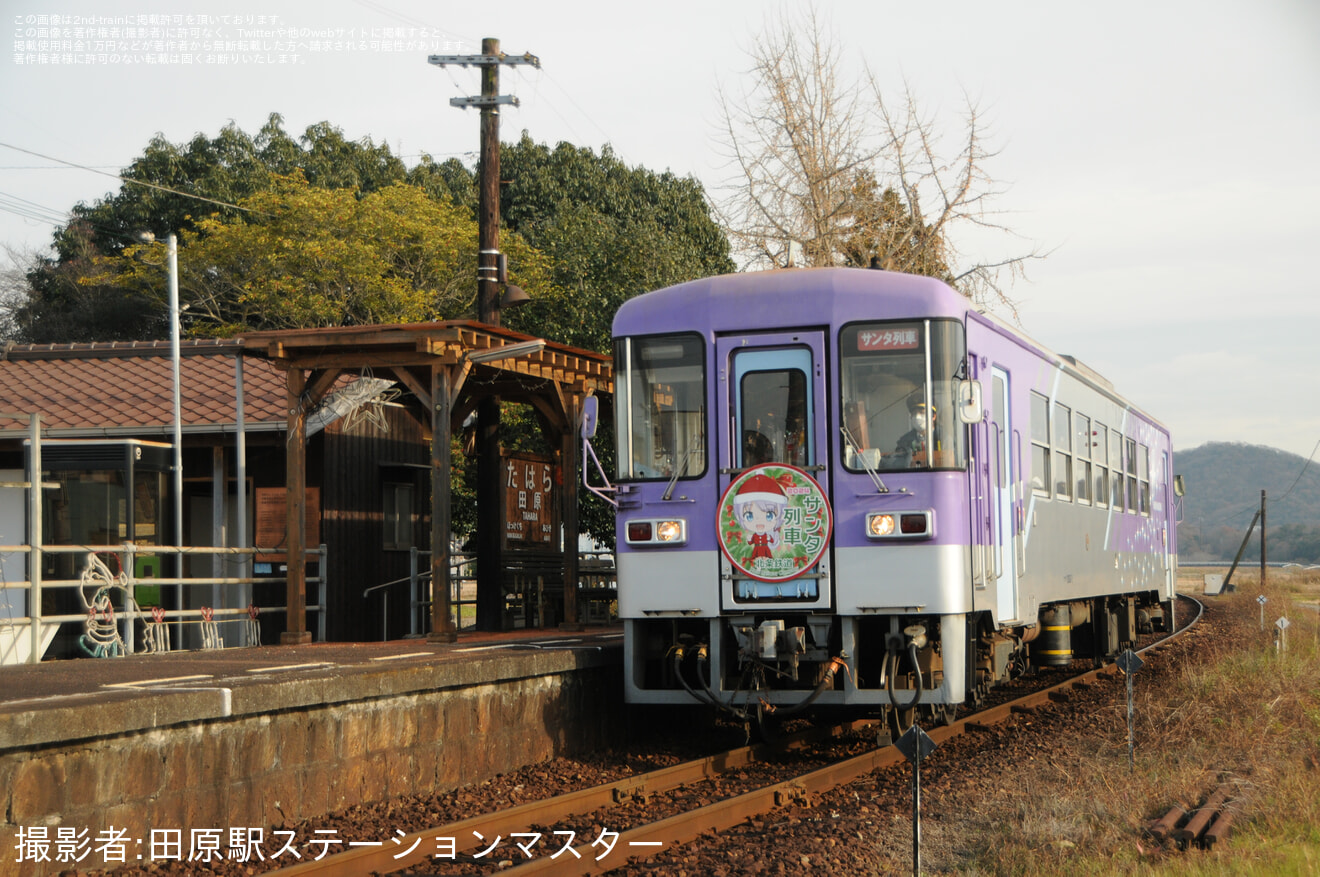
(1300, 474)
(42, 167)
(568, 95)
(31, 210)
(408, 19)
(129, 179)
(1241, 514)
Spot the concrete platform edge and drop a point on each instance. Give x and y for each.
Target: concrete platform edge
(115, 711)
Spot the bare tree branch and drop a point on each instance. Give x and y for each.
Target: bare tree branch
(795, 142)
(827, 172)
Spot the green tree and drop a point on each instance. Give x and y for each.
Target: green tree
(168, 179)
(322, 231)
(447, 181)
(172, 188)
(56, 306)
(610, 232)
(299, 256)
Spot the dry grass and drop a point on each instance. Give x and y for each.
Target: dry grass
(1238, 712)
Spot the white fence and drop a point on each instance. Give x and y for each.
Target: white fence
(218, 611)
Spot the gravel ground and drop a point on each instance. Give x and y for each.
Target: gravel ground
(969, 786)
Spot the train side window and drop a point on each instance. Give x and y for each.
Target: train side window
(891, 374)
(1100, 453)
(1116, 469)
(1130, 459)
(1062, 451)
(1163, 484)
(1040, 445)
(659, 406)
(1143, 478)
(1082, 455)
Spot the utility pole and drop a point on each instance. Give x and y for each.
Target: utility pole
(488, 210)
(490, 492)
(1262, 541)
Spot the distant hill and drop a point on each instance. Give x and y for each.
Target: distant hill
(1224, 481)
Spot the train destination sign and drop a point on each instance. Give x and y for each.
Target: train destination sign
(897, 338)
(774, 522)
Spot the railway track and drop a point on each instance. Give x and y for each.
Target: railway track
(467, 843)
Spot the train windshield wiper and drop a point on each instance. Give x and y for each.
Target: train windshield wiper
(866, 467)
(682, 467)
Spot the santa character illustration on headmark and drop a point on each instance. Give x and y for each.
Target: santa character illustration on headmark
(759, 509)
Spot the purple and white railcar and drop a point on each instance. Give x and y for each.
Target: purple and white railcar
(850, 488)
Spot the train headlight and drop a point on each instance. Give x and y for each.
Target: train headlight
(901, 525)
(669, 532)
(672, 531)
(879, 525)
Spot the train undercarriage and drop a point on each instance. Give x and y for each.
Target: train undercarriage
(778, 665)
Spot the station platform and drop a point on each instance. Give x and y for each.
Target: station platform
(285, 735)
(68, 700)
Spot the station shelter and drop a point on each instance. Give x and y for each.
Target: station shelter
(347, 414)
(449, 369)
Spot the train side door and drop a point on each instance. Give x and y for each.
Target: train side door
(1003, 499)
(772, 400)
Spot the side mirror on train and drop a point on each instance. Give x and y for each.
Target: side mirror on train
(590, 411)
(1179, 489)
(970, 408)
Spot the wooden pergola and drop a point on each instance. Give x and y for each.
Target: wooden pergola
(449, 367)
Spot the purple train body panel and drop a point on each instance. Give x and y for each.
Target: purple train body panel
(845, 487)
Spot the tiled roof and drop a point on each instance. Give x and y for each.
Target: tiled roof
(122, 387)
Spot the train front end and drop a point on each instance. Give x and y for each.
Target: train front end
(793, 512)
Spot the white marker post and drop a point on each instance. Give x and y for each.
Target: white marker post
(1281, 638)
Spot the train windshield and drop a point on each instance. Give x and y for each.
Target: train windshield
(899, 386)
(660, 387)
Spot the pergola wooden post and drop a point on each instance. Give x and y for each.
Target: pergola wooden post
(303, 395)
(443, 628)
(295, 480)
(568, 459)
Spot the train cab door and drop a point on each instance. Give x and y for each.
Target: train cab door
(772, 403)
(1003, 496)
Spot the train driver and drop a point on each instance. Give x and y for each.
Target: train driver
(913, 444)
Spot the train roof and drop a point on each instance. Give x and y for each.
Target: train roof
(805, 296)
(768, 300)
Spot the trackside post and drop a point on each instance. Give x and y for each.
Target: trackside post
(1130, 663)
(915, 745)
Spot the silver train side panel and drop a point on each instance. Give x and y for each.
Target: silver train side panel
(668, 582)
(883, 580)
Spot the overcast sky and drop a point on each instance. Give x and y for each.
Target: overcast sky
(1166, 154)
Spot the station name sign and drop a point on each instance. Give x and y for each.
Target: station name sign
(530, 494)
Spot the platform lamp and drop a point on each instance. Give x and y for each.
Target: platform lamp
(512, 295)
(172, 273)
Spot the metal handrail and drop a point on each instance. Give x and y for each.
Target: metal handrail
(457, 561)
(416, 577)
(124, 554)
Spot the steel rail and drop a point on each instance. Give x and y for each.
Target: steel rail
(378, 858)
(685, 827)
(681, 828)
